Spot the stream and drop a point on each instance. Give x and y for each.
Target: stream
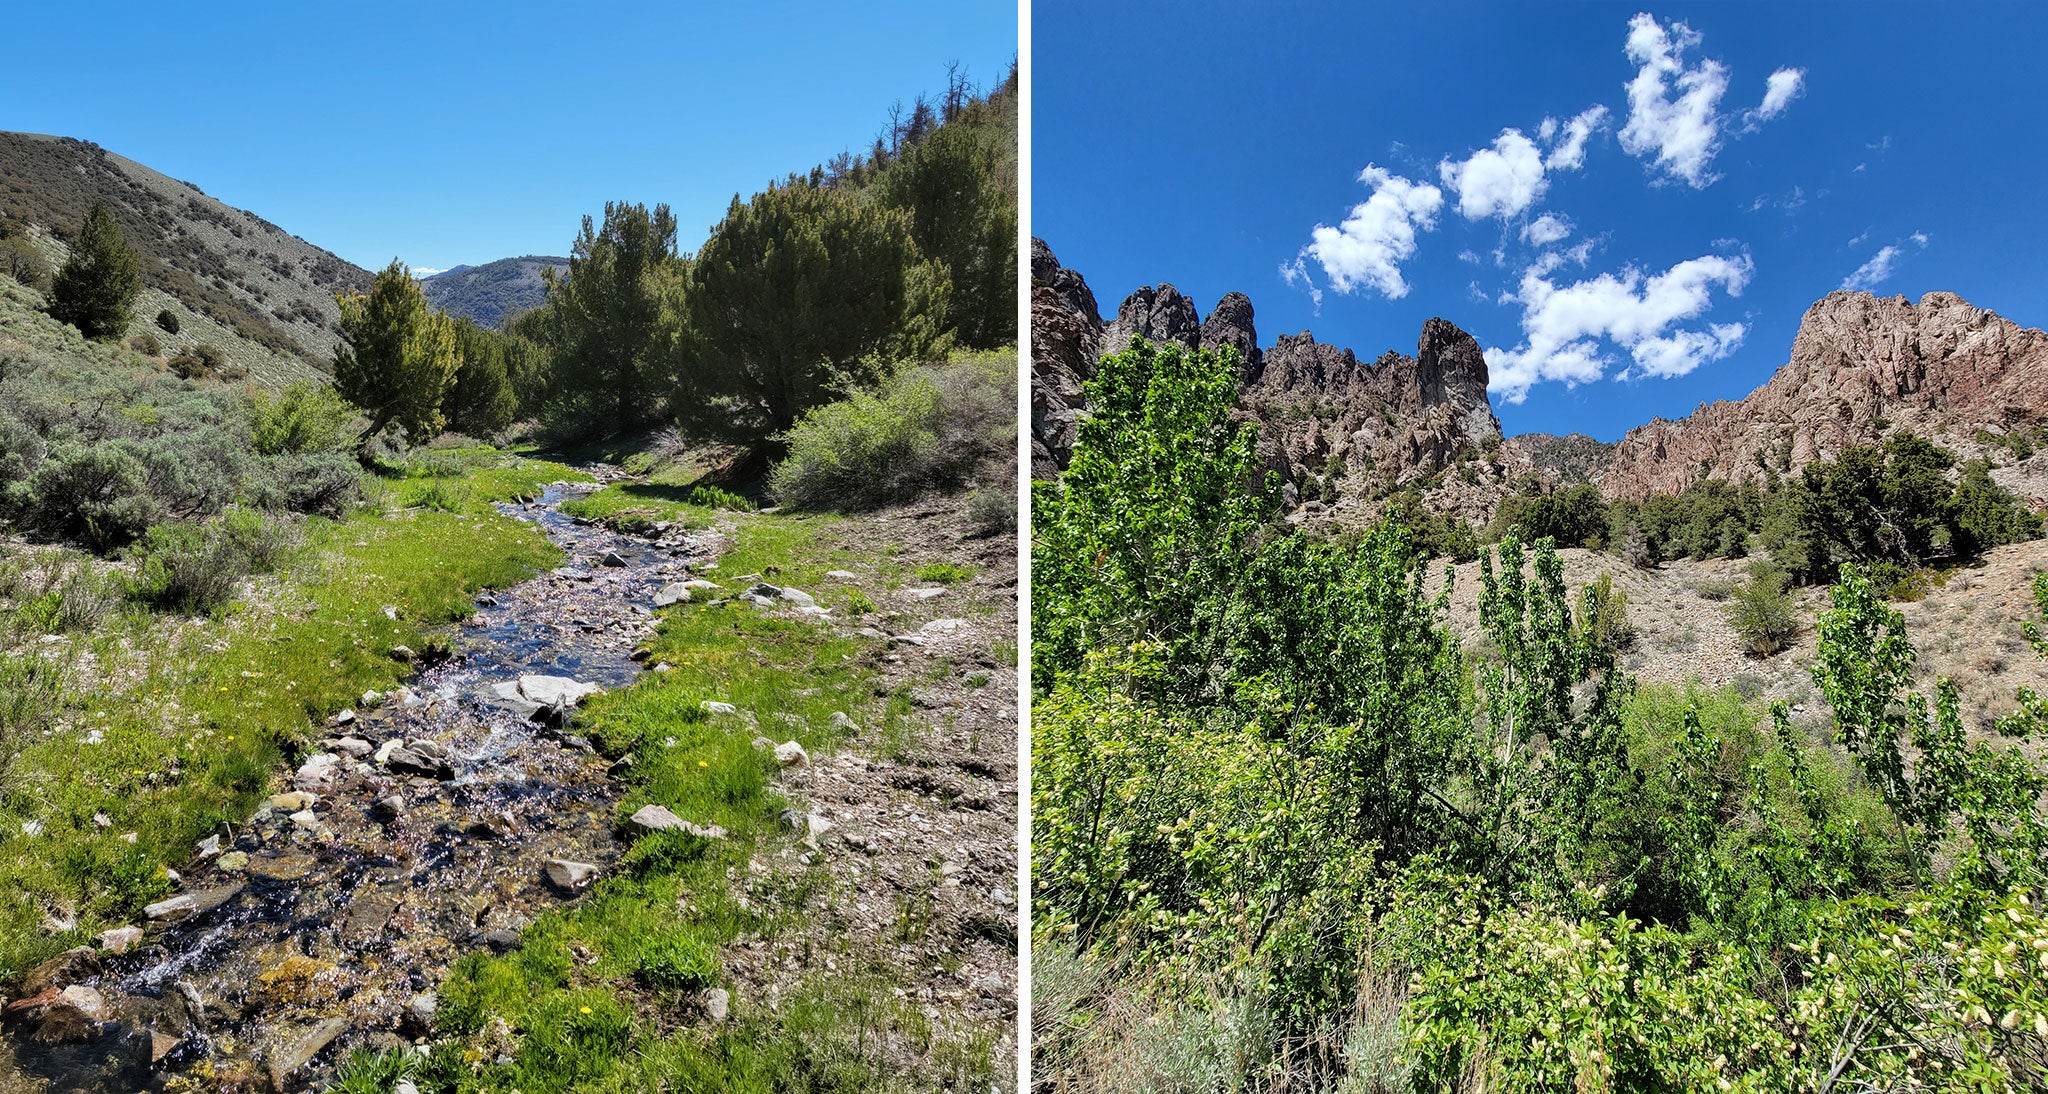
(435, 813)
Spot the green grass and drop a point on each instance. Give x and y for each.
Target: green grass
(653, 930)
(211, 708)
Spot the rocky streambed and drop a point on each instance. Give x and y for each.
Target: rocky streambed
(432, 822)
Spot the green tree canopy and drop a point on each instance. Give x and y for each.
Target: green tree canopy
(960, 214)
(482, 400)
(98, 283)
(397, 357)
(612, 323)
(800, 294)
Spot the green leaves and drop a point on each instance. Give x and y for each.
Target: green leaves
(397, 357)
(97, 284)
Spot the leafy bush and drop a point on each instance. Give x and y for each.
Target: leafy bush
(712, 497)
(1603, 616)
(1762, 612)
(302, 418)
(196, 568)
(992, 511)
(146, 344)
(21, 260)
(928, 428)
(98, 494)
(199, 362)
(167, 320)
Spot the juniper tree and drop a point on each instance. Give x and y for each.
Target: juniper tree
(800, 294)
(612, 321)
(397, 357)
(98, 283)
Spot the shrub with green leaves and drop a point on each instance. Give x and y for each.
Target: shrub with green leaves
(1763, 612)
(930, 427)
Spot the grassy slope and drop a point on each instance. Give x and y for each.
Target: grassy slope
(195, 716)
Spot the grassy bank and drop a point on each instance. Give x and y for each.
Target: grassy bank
(160, 728)
(610, 994)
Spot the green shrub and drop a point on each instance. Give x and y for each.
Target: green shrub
(301, 418)
(992, 511)
(21, 260)
(167, 320)
(712, 497)
(928, 428)
(1762, 612)
(97, 494)
(1603, 616)
(146, 344)
(196, 568)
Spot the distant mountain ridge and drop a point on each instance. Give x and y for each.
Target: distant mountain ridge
(489, 294)
(236, 272)
(1344, 436)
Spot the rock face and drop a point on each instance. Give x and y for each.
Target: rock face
(1160, 315)
(1326, 416)
(1861, 366)
(1318, 407)
(1066, 341)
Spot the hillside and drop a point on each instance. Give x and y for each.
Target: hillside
(489, 294)
(1344, 434)
(236, 280)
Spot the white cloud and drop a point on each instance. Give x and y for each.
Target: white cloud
(1860, 237)
(1562, 328)
(1499, 181)
(1569, 154)
(1367, 250)
(1874, 272)
(1546, 230)
(1882, 264)
(1681, 132)
(1780, 88)
(426, 271)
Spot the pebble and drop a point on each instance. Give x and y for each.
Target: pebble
(713, 706)
(717, 1004)
(119, 940)
(791, 754)
(569, 874)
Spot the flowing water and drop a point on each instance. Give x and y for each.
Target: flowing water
(330, 929)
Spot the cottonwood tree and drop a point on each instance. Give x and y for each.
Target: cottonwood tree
(397, 357)
(799, 295)
(97, 285)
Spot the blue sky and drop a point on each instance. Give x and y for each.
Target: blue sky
(460, 133)
(1357, 170)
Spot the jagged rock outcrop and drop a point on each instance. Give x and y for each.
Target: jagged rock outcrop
(1568, 460)
(1332, 428)
(1230, 325)
(1394, 421)
(1861, 367)
(1160, 315)
(1066, 340)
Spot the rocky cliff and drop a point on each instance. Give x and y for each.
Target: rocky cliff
(1343, 433)
(1861, 367)
(1324, 415)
